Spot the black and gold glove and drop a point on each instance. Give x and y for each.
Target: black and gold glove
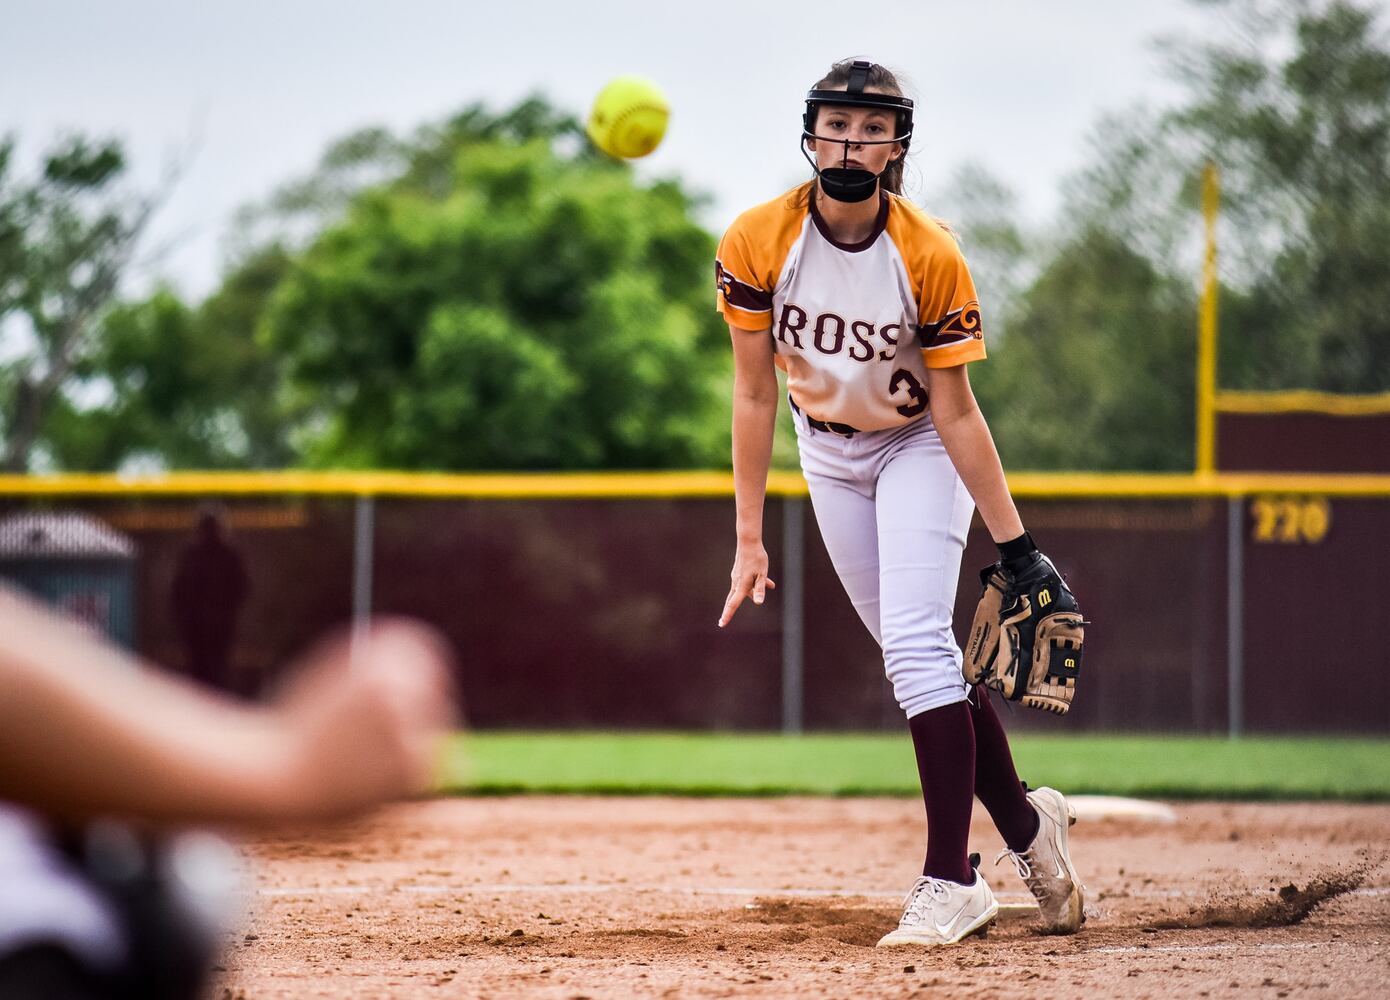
(1028, 633)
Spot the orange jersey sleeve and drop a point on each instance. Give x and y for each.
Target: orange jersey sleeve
(948, 308)
(750, 258)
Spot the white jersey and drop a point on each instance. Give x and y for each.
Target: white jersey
(855, 327)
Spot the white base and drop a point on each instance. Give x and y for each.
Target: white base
(1116, 807)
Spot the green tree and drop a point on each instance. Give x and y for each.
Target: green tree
(507, 305)
(67, 237)
(984, 213)
(1096, 369)
(1292, 102)
(1092, 358)
(489, 292)
(1296, 110)
(296, 212)
(189, 386)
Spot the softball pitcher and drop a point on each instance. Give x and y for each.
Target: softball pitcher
(867, 304)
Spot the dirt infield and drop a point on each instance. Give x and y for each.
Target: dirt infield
(654, 897)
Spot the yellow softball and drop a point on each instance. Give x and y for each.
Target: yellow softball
(629, 117)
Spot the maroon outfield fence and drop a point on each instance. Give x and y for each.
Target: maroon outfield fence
(1230, 604)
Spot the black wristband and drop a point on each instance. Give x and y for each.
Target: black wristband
(1016, 548)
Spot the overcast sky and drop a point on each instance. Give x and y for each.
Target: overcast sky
(256, 89)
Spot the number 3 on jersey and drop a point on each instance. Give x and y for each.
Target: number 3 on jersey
(915, 392)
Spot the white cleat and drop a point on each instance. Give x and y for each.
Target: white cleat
(938, 912)
(1046, 865)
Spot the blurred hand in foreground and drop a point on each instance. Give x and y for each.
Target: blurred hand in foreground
(86, 730)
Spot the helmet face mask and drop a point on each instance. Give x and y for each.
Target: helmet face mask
(845, 183)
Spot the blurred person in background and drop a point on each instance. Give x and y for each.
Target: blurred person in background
(210, 587)
(107, 766)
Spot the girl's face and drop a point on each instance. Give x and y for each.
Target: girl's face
(846, 137)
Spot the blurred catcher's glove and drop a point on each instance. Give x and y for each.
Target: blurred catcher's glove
(1027, 635)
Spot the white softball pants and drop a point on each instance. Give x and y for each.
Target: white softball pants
(894, 515)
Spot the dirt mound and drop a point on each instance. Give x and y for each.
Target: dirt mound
(1287, 906)
(645, 898)
(784, 911)
(845, 924)
(642, 932)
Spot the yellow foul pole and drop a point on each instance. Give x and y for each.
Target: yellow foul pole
(1206, 327)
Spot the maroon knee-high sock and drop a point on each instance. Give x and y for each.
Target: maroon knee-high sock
(945, 743)
(996, 781)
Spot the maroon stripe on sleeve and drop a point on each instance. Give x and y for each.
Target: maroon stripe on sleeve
(963, 324)
(740, 295)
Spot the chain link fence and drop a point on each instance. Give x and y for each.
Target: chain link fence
(1209, 613)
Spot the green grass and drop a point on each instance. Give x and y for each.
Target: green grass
(646, 763)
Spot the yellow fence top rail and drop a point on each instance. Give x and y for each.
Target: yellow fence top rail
(634, 485)
(1303, 401)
